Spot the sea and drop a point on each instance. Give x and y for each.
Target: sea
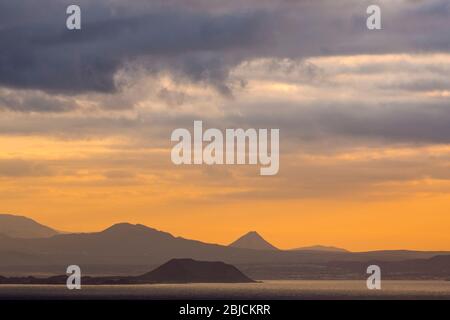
(263, 290)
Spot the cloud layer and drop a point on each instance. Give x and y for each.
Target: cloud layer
(197, 39)
(357, 109)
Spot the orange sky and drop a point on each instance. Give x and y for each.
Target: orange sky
(79, 192)
(420, 223)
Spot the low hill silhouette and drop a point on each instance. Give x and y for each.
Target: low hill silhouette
(320, 248)
(173, 271)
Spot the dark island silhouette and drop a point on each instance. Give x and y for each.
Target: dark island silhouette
(174, 271)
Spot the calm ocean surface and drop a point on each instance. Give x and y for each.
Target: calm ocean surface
(299, 289)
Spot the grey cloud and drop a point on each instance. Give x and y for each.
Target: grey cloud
(34, 101)
(436, 84)
(171, 97)
(356, 123)
(197, 39)
(390, 122)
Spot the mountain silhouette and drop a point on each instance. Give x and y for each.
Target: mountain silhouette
(23, 227)
(121, 243)
(173, 271)
(126, 244)
(320, 248)
(128, 249)
(252, 240)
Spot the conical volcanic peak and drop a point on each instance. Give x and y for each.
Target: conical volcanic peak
(252, 240)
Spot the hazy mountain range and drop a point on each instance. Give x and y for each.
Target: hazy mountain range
(134, 249)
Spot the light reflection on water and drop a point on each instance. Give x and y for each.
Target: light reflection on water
(295, 289)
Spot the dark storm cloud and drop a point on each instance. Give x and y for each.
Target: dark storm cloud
(197, 39)
(38, 52)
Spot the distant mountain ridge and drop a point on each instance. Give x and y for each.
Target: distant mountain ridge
(129, 249)
(252, 240)
(320, 248)
(23, 227)
(128, 244)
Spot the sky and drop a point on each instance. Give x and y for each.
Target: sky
(86, 118)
